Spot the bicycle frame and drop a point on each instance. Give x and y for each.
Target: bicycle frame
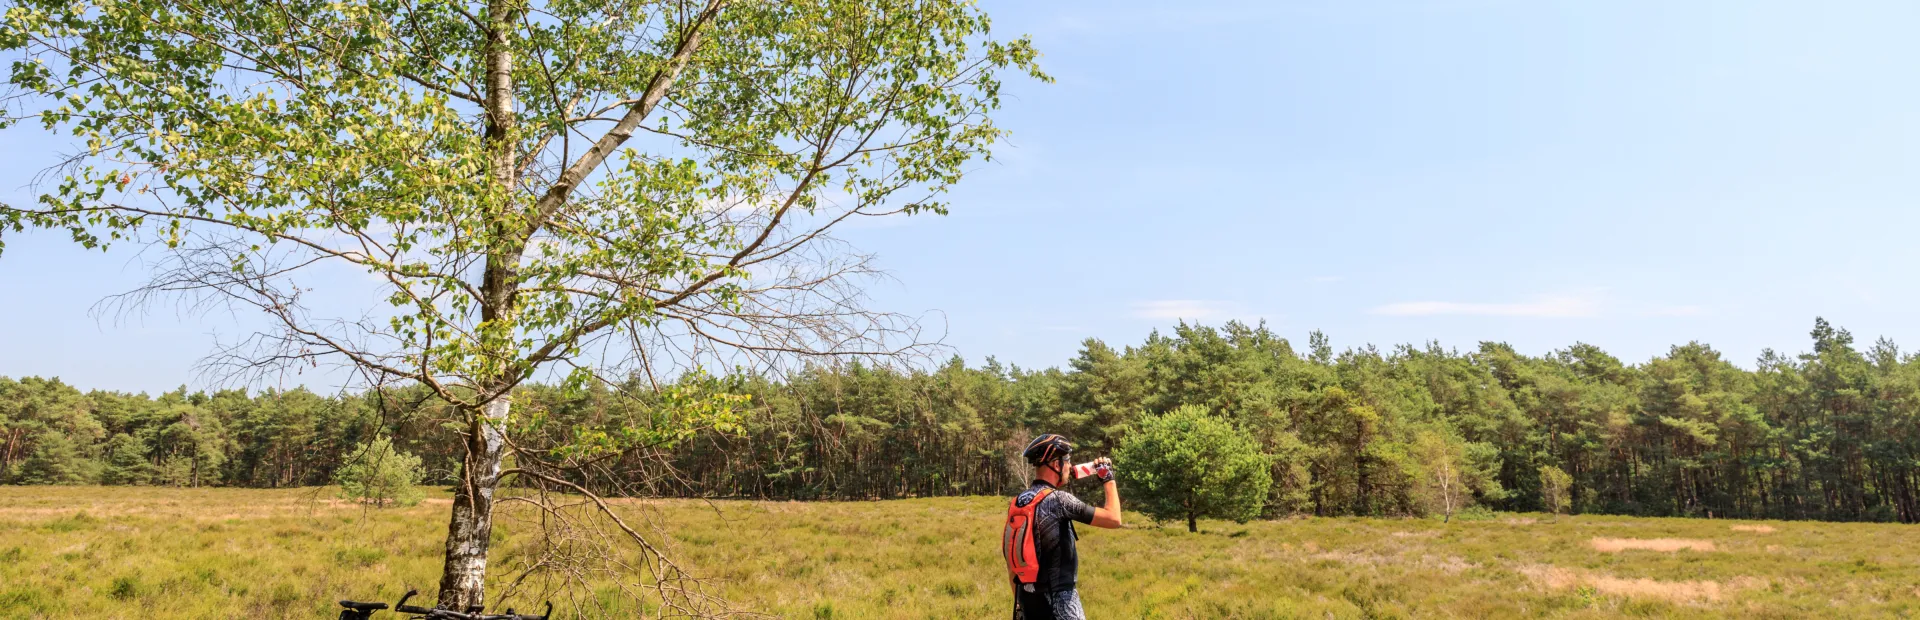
(364, 611)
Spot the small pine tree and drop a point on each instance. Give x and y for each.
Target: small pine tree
(54, 459)
(126, 461)
(376, 473)
(1189, 464)
(1555, 489)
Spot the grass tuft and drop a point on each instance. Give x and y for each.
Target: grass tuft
(125, 588)
(358, 557)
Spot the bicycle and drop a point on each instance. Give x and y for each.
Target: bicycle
(364, 611)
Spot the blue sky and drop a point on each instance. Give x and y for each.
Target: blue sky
(1629, 174)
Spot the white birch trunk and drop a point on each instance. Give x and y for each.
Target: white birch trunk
(463, 578)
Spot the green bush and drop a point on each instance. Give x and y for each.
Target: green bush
(1189, 464)
(376, 473)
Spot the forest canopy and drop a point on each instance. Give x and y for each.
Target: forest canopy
(1833, 433)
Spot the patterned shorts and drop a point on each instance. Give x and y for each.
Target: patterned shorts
(1064, 605)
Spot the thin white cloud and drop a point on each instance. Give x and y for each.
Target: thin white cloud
(1188, 309)
(1549, 307)
(1678, 311)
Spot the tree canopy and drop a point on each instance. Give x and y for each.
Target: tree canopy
(1187, 464)
(585, 189)
(1821, 435)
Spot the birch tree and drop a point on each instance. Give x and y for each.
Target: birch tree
(1453, 473)
(1555, 487)
(584, 189)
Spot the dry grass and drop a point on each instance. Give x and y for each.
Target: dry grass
(1680, 591)
(231, 553)
(1703, 591)
(1758, 529)
(1669, 545)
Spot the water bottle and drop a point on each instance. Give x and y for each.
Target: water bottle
(1088, 470)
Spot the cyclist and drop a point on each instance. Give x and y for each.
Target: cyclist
(1053, 592)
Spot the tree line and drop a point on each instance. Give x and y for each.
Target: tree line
(1831, 434)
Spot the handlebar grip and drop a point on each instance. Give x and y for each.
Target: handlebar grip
(510, 615)
(543, 616)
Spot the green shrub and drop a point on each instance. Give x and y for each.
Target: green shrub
(376, 473)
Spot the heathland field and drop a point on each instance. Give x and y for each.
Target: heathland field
(122, 552)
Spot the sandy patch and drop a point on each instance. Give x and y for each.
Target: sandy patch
(1426, 534)
(1557, 578)
(1615, 545)
(1519, 521)
(1653, 589)
(1758, 529)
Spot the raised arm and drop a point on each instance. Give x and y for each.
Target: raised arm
(1108, 515)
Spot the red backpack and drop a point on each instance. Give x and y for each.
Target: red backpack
(1017, 541)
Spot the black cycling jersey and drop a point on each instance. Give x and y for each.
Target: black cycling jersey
(1053, 536)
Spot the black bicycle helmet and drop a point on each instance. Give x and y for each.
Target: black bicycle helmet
(1046, 448)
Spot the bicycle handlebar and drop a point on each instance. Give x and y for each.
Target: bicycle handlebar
(447, 614)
